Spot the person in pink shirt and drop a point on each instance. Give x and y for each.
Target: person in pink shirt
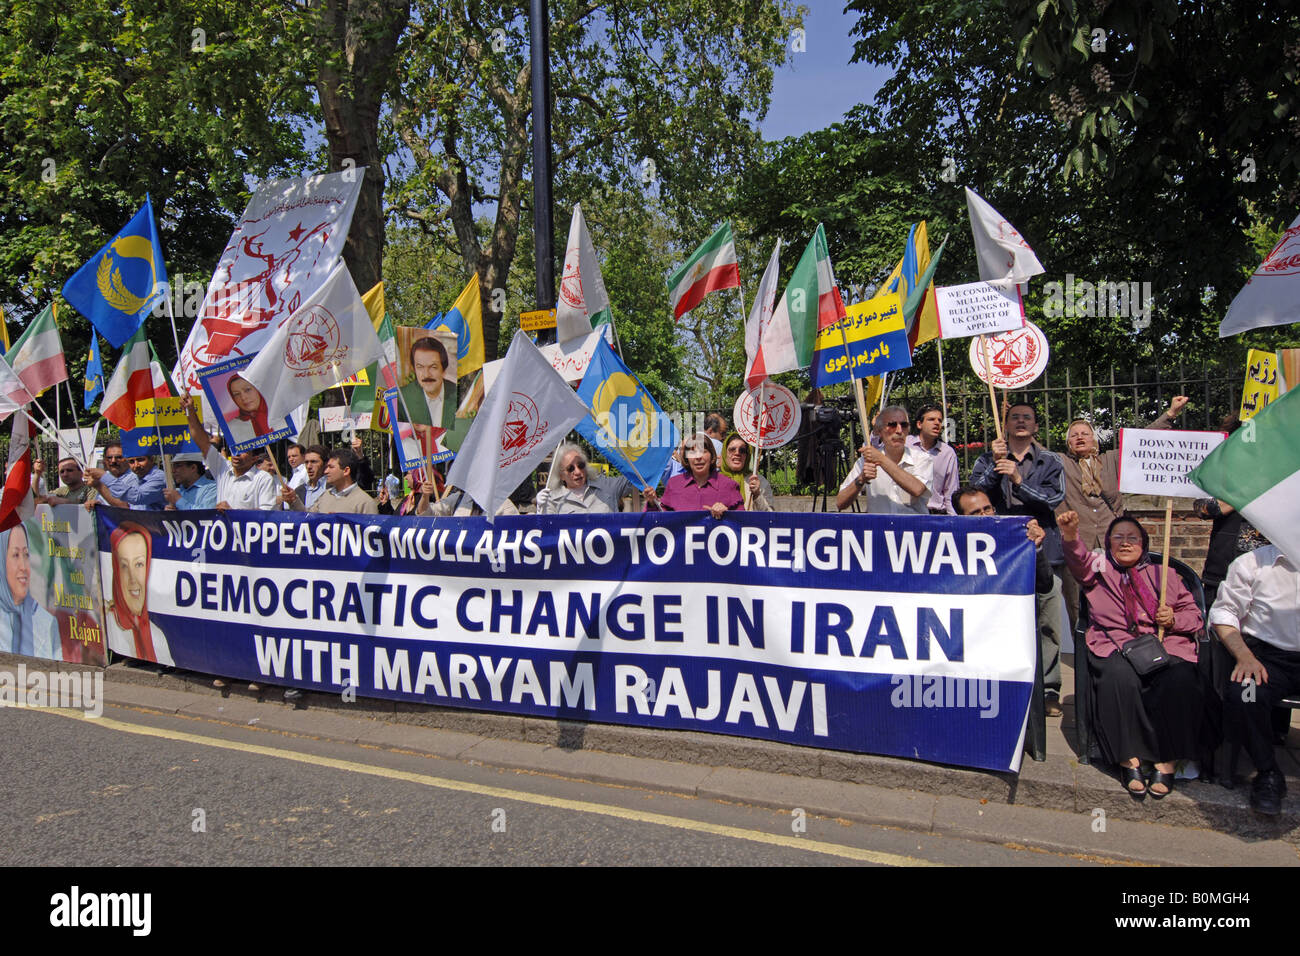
(1157, 717)
(701, 487)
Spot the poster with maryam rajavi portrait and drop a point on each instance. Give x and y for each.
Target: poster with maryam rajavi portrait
(240, 409)
(125, 561)
(50, 605)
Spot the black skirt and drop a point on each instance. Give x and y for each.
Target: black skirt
(1155, 718)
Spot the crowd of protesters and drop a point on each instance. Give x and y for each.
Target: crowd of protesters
(1091, 558)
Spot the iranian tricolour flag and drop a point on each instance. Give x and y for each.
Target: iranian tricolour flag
(37, 357)
(710, 268)
(811, 303)
(1257, 471)
(138, 378)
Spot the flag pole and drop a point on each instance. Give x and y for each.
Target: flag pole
(762, 398)
(857, 384)
(162, 453)
(943, 390)
(175, 338)
(81, 441)
(44, 429)
(1164, 565)
(988, 379)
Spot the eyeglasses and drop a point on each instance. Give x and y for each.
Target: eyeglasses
(884, 426)
(1125, 539)
(575, 466)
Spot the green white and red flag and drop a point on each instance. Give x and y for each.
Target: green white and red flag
(138, 378)
(1257, 471)
(811, 302)
(37, 356)
(710, 268)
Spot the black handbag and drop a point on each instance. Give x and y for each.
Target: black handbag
(1145, 653)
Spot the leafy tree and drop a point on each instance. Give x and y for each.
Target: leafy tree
(1154, 213)
(675, 83)
(101, 103)
(1194, 84)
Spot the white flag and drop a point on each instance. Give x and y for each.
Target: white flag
(1005, 259)
(13, 393)
(519, 424)
(582, 290)
(761, 314)
(283, 247)
(329, 338)
(1272, 295)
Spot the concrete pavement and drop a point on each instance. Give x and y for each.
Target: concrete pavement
(1060, 805)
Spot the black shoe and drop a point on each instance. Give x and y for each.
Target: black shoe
(1267, 791)
(1052, 705)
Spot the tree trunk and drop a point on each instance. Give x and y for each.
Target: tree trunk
(360, 37)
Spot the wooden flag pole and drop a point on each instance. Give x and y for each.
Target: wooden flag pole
(857, 386)
(1164, 565)
(943, 388)
(988, 378)
(758, 453)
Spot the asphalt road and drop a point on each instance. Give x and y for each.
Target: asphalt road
(137, 788)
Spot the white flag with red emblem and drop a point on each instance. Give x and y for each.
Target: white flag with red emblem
(284, 246)
(1272, 295)
(327, 340)
(1004, 257)
(583, 302)
(521, 421)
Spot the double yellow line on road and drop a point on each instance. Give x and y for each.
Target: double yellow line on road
(559, 803)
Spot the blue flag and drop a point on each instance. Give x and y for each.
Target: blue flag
(120, 284)
(94, 372)
(628, 427)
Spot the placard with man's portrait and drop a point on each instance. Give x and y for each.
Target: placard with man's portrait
(422, 409)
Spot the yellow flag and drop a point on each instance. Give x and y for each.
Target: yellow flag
(4, 330)
(910, 269)
(465, 318)
(374, 303)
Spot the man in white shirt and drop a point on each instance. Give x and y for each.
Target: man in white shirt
(943, 460)
(1257, 617)
(297, 469)
(897, 479)
(240, 485)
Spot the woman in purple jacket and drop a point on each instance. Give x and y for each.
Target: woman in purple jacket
(701, 486)
(1154, 718)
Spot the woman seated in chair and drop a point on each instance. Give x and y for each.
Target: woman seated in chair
(1153, 717)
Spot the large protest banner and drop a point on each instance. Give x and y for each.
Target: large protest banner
(50, 587)
(869, 633)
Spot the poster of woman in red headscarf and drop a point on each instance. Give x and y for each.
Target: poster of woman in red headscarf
(127, 624)
(240, 409)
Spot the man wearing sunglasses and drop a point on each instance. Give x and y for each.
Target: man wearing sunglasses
(895, 478)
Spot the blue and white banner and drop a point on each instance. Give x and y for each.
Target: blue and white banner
(911, 636)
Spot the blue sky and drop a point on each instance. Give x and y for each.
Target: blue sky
(817, 87)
